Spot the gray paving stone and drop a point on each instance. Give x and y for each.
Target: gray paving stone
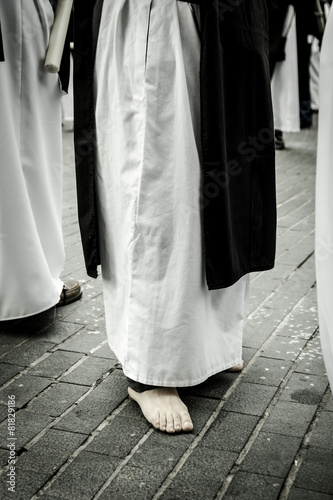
(60, 331)
(86, 313)
(215, 387)
(201, 476)
(294, 289)
(260, 326)
(3, 457)
(251, 399)
(322, 436)
(51, 451)
(8, 371)
(80, 275)
(89, 371)
(246, 486)
(27, 484)
(100, 403)
(230, 431)
(130, 410)
(303, 321)
(92, 289)
(180, 440)
(24, 389)
(55, 364)
(133, 483)
(157, 457)
(284, 348)
(55, 401)
(316, 471)
(27, 352)
(290, 419)
(305, 389)
(84, 477)
(62, 313)
(287, 240)
(302, 494)
(76, 262)
(104, 351)
(28, 425)
(9, 339)
(329, 405)
(271, 455)
(119, 437)
(85, 340)
(267, 371)
(3, 412)
(311, 363)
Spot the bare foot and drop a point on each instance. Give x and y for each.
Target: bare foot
(236, 368)
(164, 409)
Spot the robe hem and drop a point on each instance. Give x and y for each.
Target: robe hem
(228, 283)
(186, 383)
(28, 315)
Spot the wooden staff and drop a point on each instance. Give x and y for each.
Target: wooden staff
(58, 36)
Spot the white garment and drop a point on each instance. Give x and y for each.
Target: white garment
(164, 325)
(67, 102)
(285, 93)
(31, 245)
(314, 74)
(324, 200)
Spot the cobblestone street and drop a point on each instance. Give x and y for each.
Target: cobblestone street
(263, 434)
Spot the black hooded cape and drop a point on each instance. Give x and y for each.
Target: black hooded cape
(238, 159)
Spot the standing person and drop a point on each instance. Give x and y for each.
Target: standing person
(324, 202)
(31, 244)
(283, 67)
(176, 183)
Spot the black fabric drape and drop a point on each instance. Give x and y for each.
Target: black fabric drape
(2, 55)
(237, 141)
(238, 194)
(277, 11)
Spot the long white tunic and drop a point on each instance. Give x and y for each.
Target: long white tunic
(31, 244)
(324, 200)
(164, 325)
(285, 94)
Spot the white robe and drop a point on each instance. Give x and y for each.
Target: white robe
(324, 200)
(163, 324)
(31, 244)
(285, 95)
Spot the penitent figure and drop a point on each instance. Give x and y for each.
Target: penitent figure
(31, 243)
(176, 184)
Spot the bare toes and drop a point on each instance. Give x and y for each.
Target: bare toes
(177, 422)
(170, 423)
(156, 421)
(163, 422)
(186, 422)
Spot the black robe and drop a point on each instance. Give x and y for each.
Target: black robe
(238, 193)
